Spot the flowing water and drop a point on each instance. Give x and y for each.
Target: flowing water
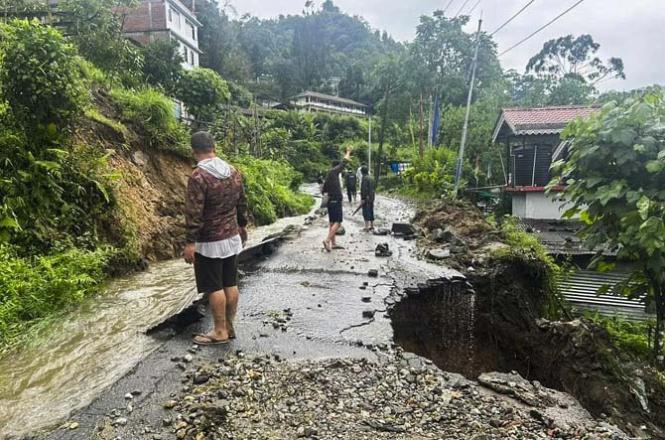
(73, 360)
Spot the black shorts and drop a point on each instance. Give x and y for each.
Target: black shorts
(368, 211)
(335, 213)
(214, 274)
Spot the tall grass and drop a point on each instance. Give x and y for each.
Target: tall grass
(32, 288)
(152, 112)
(272, 189)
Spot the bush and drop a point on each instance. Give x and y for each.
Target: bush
(527, 249)
(50, 197)
(154, 113)
(203, 91)
(33, 288)
(39, 77)
(271, 188)
(162, 66)
(434, 174)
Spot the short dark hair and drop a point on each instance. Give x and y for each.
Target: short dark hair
(364, 171)
(203, 142)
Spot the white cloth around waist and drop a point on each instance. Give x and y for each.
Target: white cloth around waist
(220, 249)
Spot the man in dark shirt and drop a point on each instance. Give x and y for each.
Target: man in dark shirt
(367, 193)
(350, 181)
(216, 215)
(333, 190)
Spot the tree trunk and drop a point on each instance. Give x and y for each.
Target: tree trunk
(421, 149)
(660, 314)
(382, 137)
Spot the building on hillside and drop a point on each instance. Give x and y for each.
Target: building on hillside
(532, 139)
(319, 102)
(154, 20)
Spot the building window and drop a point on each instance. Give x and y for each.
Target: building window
(170, 15)
(191, 53)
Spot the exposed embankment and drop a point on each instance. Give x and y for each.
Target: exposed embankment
(495, 321)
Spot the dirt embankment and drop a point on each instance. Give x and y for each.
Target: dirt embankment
(148, 184)
(456, 234)
(499, 326)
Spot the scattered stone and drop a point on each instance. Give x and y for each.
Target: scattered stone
(73, 425)
(381, 231)
(200, 379)
(439, 253)
(382, 250)
(136, 393)
(129, 396)
(373, 273)
(170, 404)
(120, 421)
(369, 313)
(188, 358)
(403, 229)
(366, 299)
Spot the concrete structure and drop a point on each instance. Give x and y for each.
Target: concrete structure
(319, 102)
(154, 20)
(532, 139)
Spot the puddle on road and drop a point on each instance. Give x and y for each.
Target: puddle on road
(72, 361)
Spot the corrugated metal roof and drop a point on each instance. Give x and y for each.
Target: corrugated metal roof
(581, 289)
(532, 121)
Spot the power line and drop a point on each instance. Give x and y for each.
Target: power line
(474, 8)
(541, 28)
(448, 6)
(461, 7)
(513, 17)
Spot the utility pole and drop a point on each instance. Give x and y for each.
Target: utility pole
(465, 130)
(369, 146)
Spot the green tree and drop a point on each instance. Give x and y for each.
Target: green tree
(566, 56)
(614, 179)
(163, 65)
(203, 91)
(95, 26)
(40, 77)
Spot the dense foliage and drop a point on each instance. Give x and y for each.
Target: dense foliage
(32, 288)
(614, 178)
(153, 113)
(40, 77)
(203, 92)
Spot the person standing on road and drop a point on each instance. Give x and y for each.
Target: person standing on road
(332, 190)
(216, 215)
(367, 193)
(351, 184)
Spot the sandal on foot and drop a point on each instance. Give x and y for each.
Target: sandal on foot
(338, 247)
(209, 340)
(326, 246)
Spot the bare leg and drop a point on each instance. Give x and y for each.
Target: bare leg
(217, 301)
(333, 233)
(232, 295)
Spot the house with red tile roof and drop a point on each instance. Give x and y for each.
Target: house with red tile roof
(532, 140)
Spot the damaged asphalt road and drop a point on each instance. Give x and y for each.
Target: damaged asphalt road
(302, 308)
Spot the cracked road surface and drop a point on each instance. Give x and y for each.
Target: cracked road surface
(335, 310)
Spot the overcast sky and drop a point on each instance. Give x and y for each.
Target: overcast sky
(630, 29)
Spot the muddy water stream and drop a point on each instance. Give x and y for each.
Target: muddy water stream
(70, 362)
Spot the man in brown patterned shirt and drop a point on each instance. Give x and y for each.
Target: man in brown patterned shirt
(216, 213)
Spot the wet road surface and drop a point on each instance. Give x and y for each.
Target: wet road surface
(325, 292)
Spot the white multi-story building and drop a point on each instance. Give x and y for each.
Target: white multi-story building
(319, 102)
(155, 20)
